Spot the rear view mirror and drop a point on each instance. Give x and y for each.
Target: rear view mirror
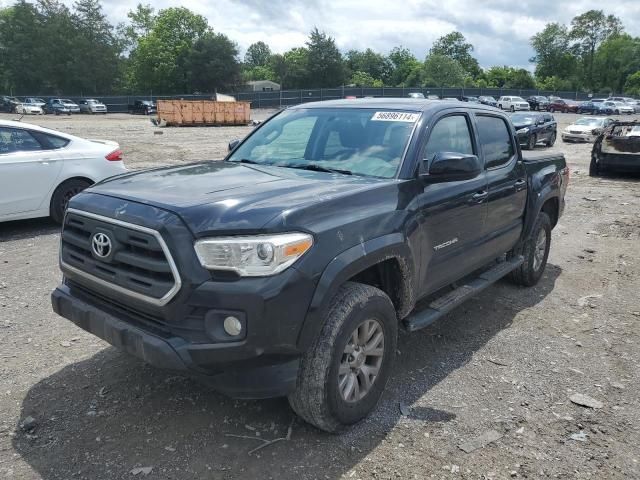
(451, 167)
(233, 144)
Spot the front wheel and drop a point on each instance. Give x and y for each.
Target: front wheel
(65, 192)
(344, 372)
(513, 109)
(531, 144)
(551, 110)
(535, 251)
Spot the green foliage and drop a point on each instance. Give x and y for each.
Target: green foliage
(405, 67)
(325, 65)
(632, 85)
(616, 59)
(212, 63)
(258, 55)
(292, 68)
(158, 62)
(375, 65)
(363, 79)
(454, 45)
(442, 71)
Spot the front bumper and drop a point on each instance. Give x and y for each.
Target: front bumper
(578, 137)
(237, 369)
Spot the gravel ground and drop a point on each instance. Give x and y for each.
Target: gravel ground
(494, 377)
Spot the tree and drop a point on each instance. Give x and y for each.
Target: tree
(141, 21)
(589, 30)
(159, 60)
(454, 45)
(632, 85)
(553, 53)
(403, 63)
(363, 79)
(212, 63)
(258, 55)
(325, 65)
(375, 65)
(442, 71)
(616, 59)
(291, 68)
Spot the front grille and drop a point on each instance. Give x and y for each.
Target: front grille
(135, 261)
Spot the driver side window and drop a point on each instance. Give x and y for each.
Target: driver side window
(450, 134)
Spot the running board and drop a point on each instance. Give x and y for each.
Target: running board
(443, 305)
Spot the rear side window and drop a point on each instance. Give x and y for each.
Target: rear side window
(50, 142)
(450, 134)
(495, 141)
(16, 140)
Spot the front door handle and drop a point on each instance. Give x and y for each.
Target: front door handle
(520, 183)
(478, 197)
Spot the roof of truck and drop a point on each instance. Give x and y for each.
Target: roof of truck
(410, 104)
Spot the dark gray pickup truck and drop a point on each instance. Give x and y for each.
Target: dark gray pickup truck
(288, 268)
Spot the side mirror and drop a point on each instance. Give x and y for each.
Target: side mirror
(451, 167)
(233, 144)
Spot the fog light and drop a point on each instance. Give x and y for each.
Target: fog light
(232, 326)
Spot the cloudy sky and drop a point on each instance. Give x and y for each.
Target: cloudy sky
(499, 29)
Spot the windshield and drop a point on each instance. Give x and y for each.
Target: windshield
(589, 122)
(357, 141)
(522, 118)
(66, 100)
(517, 99)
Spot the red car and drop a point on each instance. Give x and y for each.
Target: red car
(564, 106)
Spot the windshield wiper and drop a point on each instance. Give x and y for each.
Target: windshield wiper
(318, 168)
(246, 160)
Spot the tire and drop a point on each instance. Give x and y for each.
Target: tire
(535, 251)
(60, 198)
(552, 139)
(617, 112)
(533, 139)
(318, 397)
(551, 110)
(512, 109)
(565, 111)
(594, 168)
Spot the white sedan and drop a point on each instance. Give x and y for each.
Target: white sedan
(41, 169)
(29, 109)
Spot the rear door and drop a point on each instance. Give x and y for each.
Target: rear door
(451, 214)
(507, 184)
(29, 169)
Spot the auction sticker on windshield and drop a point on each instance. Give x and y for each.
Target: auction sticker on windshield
(395, 117)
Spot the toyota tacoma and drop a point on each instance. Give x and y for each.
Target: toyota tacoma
(288, 268)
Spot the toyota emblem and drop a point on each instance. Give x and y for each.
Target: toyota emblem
(101, 245)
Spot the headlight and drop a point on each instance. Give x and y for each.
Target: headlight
(253, 256)
(523, 130)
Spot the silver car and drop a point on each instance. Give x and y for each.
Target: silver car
(71, 105)
(91, 105)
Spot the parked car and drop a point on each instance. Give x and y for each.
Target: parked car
(607, 108)
(55, 106)
(563, 105)
(513, 103)
(293, 272)
(25, 108)
(471, 99)
(71, 105)
(145, 107)
(451, 99)
(585, 129)
(538, 102)
(416, 95)
(35, 101)
(8, 104)
(623, 108)
(589, 107)
(41, 169)
(487, 100)
(533, 128)
(627, 100)
(91, 105)
(617, 149)
(433, 97)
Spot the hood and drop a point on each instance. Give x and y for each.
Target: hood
(220, 196)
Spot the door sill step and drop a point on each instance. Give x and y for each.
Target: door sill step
(444, 304)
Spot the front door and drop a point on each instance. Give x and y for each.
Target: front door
(451, 214)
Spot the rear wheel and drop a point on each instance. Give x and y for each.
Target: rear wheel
(513, 109)
(65, 192)
(551, 110)
(565, 111)
(344, 372)
(535, 251)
